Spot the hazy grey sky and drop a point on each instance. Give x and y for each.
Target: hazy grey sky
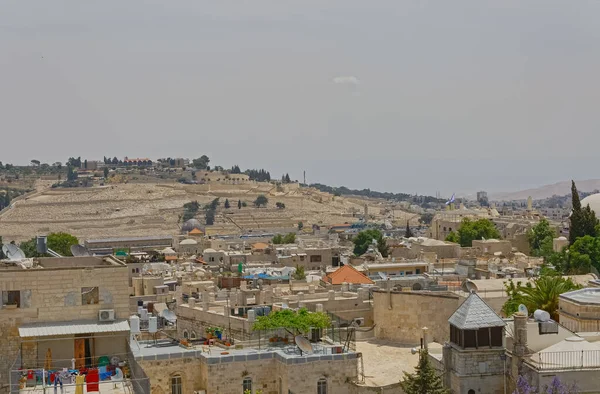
(451, 95)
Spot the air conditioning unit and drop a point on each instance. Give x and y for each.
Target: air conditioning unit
(359, 321)
(106, 315)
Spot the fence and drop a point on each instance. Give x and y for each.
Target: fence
(139, 380)
(580, 359)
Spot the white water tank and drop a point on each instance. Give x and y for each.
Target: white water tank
(144, 314)
(153, 324)
(541, 315)
(134, 324)
(251, 315)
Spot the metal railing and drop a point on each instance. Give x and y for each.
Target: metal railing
(580, 359)
(138, 378)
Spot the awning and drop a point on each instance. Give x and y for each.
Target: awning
(71, 328)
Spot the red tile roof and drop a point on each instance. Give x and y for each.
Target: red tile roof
(348, 274)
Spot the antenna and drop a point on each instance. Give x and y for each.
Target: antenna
(303, 344)
(523, 310)
(13, 252)
(80, 251)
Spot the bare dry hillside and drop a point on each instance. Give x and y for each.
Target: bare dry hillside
(154, 209)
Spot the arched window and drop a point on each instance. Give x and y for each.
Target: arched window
(186, 334)
(247, 385)
(471, 391)
(322, 386)
(193, 336)
(176, 385)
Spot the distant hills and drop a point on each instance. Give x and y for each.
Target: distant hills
(539, 193)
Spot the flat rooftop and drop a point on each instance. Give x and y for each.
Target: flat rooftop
(587, 296)
(106, 387)
(385, 361)
(168, 350)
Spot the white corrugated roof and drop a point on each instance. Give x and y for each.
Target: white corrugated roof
(71, 328)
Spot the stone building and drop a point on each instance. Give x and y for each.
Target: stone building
(579, 310)
(173, 369)
(73, 306)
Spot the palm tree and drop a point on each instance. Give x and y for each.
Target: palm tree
(542, 295)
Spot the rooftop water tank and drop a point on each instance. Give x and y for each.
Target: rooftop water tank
(134, 324)
(153, 324)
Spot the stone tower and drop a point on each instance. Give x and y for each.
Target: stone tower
(474, 357)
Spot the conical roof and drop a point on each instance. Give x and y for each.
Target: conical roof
(474, 314)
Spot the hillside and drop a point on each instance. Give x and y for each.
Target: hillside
(559, 189)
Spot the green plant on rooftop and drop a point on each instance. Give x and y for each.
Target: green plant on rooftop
(293, 322)
(365, 238)
(471, 230)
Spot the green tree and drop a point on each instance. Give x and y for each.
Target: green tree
(201, 163)
(106, 172)
(210, 217)
(239, 204)
(408, 233)
(227, 205)
(277, 239)
(293, 322)
(583, 220)
(300, 226)
(540, 238)
(453, 237)
(425, 380)
(261, 201)
(426, 218)
(289, 238)
(30, 248)
(476, 229)
(365, 238)
(61, 243)
(542, 293)
(299, 274)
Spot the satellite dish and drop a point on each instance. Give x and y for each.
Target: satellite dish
(469, 286)
(523, 310)
(80, 251)
(13, 252)
(169, 315)
(541, 316)
(303, 344)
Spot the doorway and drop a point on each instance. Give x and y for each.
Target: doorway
(84, 351)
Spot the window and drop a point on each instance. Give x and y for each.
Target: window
(471, 392)
(12, 297)
(247, 385)
(315, 258)
(322, 386)
(418, 271)
(90, 296)
(193, 336)
(176, 385)
(186, 335)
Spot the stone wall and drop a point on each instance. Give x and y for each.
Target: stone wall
(269, 372)
(409, 312)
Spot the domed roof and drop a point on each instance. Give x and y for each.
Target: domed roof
(188, 242)
(190, 225)
(594, 201)
(210, 250)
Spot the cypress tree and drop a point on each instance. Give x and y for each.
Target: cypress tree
(583, 220)
(425, 379)
(408, 233)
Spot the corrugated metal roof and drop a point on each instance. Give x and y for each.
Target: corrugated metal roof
(474, 314)
(71, 328)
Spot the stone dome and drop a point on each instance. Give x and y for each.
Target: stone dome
(594, 201)
(188, 242)
(190, 225)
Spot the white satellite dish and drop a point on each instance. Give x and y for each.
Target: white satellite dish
(541, 315)
(303, 344)
(523, 310)
(13, 252)
(79, 251)
(469, 286)
(169, 315)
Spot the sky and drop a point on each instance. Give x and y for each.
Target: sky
(403, 96)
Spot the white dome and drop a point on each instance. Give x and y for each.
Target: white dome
(188, 242)
(210, 250)
(594, 202)
(562, 238)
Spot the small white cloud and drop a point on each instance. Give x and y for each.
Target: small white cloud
(346, 80)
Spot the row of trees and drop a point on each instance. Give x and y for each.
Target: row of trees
(279, 239)
(342, 191)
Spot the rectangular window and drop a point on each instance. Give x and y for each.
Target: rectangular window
(11, 298)
(247, 385)
(90, 296)
(418, 271)
(176, 385)
(315, 258)
(322, 386)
